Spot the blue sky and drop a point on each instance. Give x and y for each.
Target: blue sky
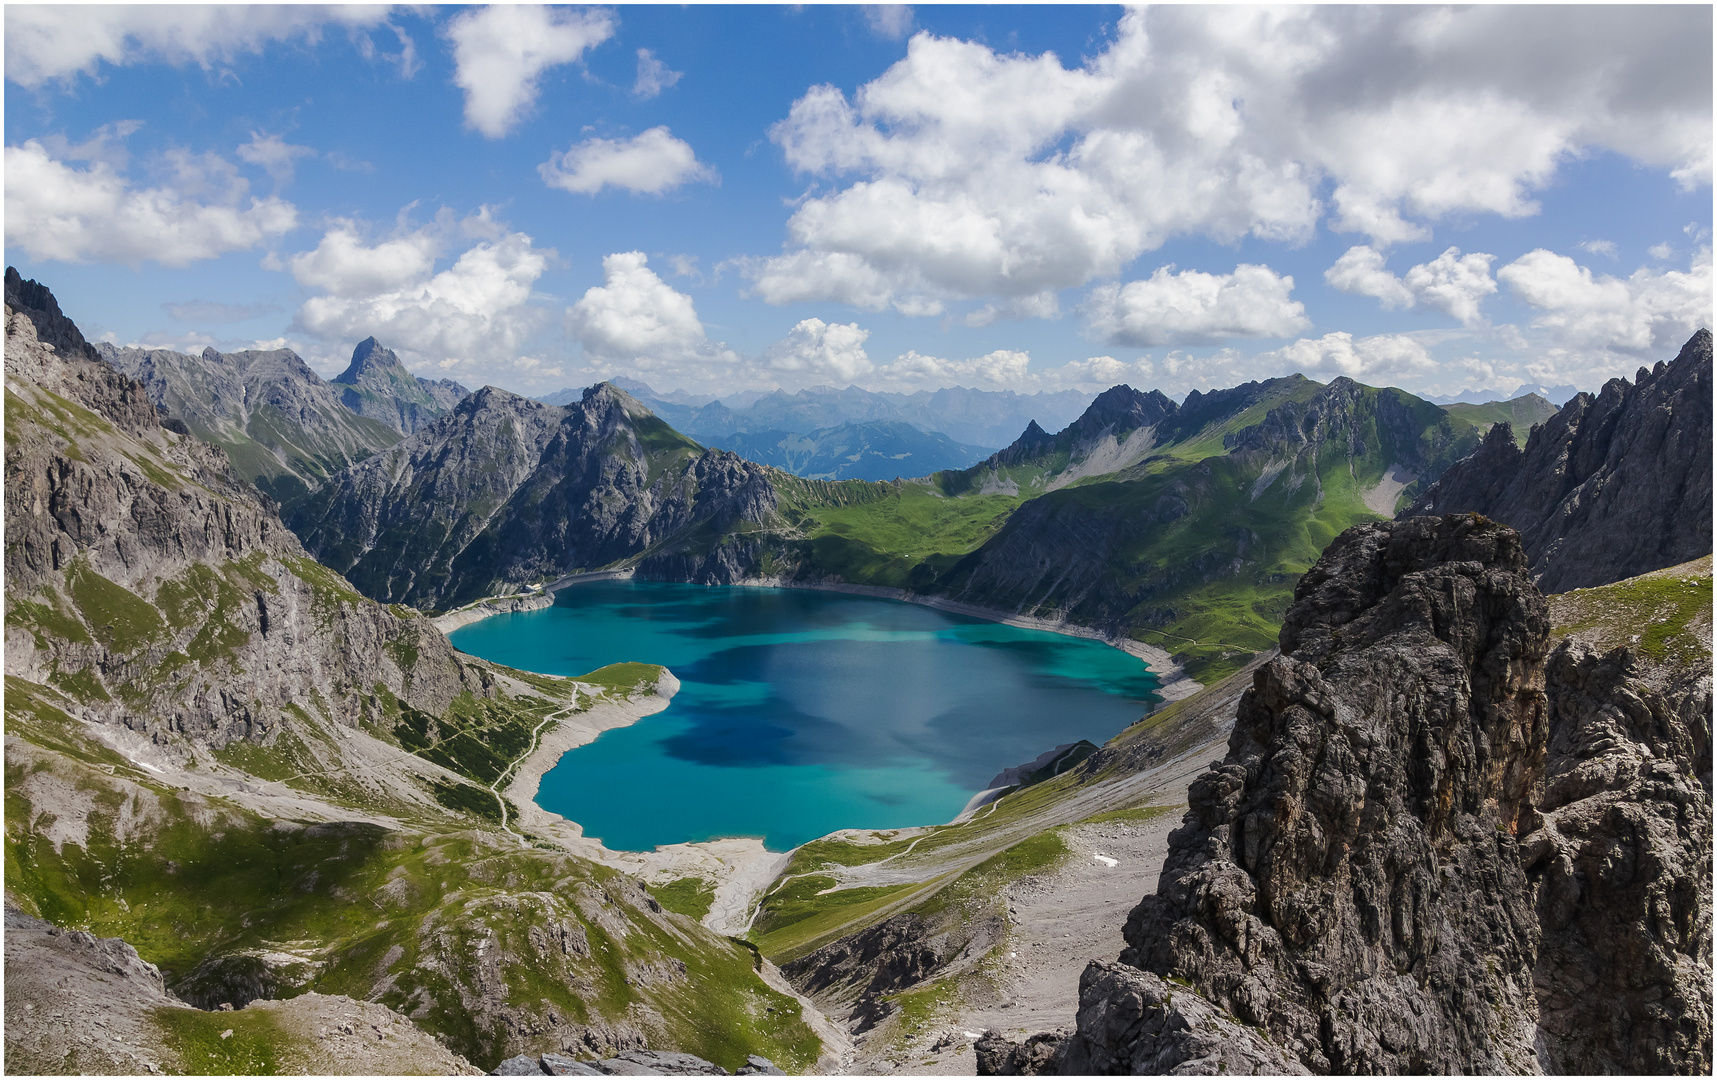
(1029, 198)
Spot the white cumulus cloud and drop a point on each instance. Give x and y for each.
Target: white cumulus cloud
(1452, 283)
(815, 348)
(501, 50)
(967, 172)
(652, 162)
(1195, 308)
(1360, 272)
(999, 370)
(343, 265)
(1648, 311)
(45, 42)
(636, 317)
(1382, 359)
(476, 311)
(94, 214)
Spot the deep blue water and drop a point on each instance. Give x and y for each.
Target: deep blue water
(802, 712)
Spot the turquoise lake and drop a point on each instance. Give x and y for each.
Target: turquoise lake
(801, 712)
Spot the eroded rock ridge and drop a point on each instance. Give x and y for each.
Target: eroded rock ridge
(1610, 486)
(1435, 845)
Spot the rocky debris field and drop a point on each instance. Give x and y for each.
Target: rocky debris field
(76, 1003)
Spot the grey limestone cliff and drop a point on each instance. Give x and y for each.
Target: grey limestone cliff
(1346, 880)
(1435, 844)
(377, 385)
(504, 490)
(150, 583)
(1610, 486)
(279, 423)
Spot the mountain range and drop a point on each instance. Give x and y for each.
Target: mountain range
(260, 821)
(284, 427)
(989, 418)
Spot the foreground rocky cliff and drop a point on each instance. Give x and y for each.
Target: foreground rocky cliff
(1608, 487)
(1435, 844)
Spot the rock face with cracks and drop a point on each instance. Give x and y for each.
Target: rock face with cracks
(1435, 845)
(1610, 486)
(1619, 850)
(1347, 878)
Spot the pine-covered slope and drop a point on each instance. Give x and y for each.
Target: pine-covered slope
(1609, 487)
(270, 785)
(280, 424)
(505, 490)
(377, 385)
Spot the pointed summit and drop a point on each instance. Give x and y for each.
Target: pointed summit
(370, 360)
(377, 385)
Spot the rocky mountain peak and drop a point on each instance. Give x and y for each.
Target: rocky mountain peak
(372, 362)
(1124, 408)
(36, 302)
(605, 396)
(1611, 486)
(377, 385)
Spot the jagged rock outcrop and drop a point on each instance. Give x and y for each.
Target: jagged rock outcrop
(504, 490)
(1434, 845)
(1346, 879)
(1133, 1023)
(279, 423)
(148, 582)
(377, 385)
(1619, 849)
(1609, 487)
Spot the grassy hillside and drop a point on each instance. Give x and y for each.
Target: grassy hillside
(1519, 413)
(476, 938)
(1187, 535)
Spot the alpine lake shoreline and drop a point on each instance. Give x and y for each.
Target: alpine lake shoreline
(739, 869)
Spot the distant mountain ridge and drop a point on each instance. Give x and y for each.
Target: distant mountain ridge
(1610, 486)
(1521, 413)
(282, 426)
(876, 450)
(986, 418)
(377, 385)
(1182, 526)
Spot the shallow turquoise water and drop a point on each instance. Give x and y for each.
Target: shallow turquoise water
(803, 712)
